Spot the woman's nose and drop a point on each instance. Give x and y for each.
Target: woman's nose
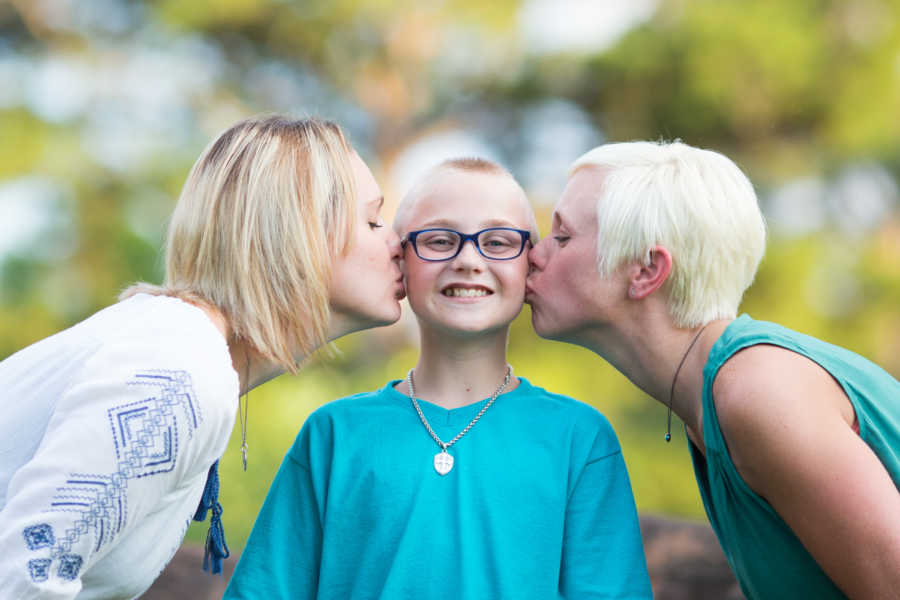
(393, 243)
(535, 256)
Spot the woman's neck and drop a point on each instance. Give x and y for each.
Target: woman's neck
(251, 367)
(648, 349)
(457, 372)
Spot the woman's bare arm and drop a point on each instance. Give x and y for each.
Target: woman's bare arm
(788, 426)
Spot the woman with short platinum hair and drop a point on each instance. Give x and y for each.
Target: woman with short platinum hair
(795, 442)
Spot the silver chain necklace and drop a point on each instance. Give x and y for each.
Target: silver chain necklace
(244, 411)
(443, 460)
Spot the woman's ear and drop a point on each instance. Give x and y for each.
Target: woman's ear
(649, 277)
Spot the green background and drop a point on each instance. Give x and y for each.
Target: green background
(105, 105)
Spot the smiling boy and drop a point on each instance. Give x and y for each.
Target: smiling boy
(461, 480)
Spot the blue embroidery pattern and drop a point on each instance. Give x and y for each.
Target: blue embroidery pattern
(145, 436)
(69, 565)
(39, 568)
(38, 536)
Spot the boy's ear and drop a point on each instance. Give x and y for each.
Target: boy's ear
(644, 279)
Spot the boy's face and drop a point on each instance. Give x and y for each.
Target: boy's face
(467, 202)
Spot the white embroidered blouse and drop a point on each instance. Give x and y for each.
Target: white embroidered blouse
(108, 431)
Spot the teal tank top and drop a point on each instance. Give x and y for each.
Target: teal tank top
(769, 561)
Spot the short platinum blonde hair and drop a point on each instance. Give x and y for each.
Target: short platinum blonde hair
(426, 182)
(697, 204)
(264, 210)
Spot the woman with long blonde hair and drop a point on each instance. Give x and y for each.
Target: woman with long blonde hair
(113, 428)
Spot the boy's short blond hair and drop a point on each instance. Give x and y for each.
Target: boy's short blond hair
(465, 165)
(264, 210)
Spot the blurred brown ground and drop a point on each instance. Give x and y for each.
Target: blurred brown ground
(684, 559)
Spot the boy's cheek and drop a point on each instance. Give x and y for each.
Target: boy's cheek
(404, 271)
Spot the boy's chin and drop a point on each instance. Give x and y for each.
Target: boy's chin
(470, 330)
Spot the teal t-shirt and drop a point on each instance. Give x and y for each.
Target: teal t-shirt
(537, 505)
(769, 561)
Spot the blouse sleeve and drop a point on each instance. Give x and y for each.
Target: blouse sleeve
(603, 555)
(119, 441)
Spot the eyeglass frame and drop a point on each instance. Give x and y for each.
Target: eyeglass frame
(411, 236)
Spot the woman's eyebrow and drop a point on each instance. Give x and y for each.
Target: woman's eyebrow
(558, 221)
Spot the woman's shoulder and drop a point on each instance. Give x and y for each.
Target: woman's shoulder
(141, 328)
(159, 329)
(173, 356)
(105, 386)
(202, 368)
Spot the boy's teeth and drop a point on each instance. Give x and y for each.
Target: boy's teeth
(464, 292)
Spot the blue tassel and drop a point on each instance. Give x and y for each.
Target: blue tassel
(216, 548)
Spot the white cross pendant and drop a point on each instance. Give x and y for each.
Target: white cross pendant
(443, 462)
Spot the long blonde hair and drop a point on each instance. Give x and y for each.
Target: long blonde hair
(264, 209)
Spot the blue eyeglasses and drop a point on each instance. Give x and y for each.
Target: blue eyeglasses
(494, 243)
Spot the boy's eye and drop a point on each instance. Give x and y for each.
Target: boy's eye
(440, 242)
(375, 224)
(561, 238)
(497, 242)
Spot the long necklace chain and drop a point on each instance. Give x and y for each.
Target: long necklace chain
(244, 410)
(443, 462)
(674, 379)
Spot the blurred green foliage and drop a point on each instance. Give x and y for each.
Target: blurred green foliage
(802, 90)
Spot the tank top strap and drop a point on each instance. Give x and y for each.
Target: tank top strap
(741, 333)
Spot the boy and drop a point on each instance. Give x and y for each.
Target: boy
(463, 480)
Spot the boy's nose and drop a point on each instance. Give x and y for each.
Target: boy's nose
(468, 257)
